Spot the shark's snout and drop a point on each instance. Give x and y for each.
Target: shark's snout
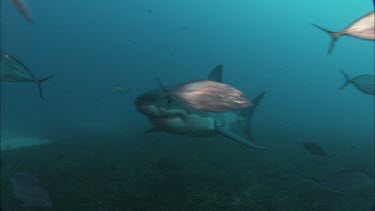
(140, 105)
(147, 105)
(156, 107)
(137, 102)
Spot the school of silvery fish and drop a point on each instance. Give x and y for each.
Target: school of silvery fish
(211, 99)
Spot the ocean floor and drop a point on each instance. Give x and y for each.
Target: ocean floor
(110, 172)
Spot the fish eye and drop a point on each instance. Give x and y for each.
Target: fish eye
(169, 101)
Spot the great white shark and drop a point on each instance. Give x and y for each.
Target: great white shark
(170, 115)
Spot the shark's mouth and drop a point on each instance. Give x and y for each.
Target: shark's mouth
(163, 118)
(157, 113)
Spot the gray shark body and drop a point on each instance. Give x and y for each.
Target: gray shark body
(170, 115)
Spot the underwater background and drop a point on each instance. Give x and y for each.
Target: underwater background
(100, 159)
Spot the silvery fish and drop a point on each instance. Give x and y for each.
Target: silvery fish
(119, 90)
(363, 28)
(346, 181)
(22, 8)
(12, 70)
(364, 83)
(29, 191)
(209, 96)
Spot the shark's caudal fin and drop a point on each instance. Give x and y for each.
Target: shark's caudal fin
(247, 113)
(334, 37)
(40, 82)
(237, 138)
(216, 74)
(347, 79)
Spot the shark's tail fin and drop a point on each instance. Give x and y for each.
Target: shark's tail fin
(40, 82)
(255, 102)
(334, 37)
(247, 113)
(347, 79)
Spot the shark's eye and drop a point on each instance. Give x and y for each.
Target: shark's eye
(169, 101)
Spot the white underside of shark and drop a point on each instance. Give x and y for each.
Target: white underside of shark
(170, 115)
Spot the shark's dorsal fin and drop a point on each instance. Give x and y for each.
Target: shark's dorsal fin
(237, 138)
(247, 113)
(216, 74)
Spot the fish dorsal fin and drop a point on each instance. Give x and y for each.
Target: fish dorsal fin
(247, 113)
(237, 138)
(216, 74)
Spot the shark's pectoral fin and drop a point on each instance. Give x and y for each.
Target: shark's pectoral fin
(152, 130)
(237, 138)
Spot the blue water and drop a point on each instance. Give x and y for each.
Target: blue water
(92, 46)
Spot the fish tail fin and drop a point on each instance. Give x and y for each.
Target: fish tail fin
(348, 80)
(334, 37)
(40, 82)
